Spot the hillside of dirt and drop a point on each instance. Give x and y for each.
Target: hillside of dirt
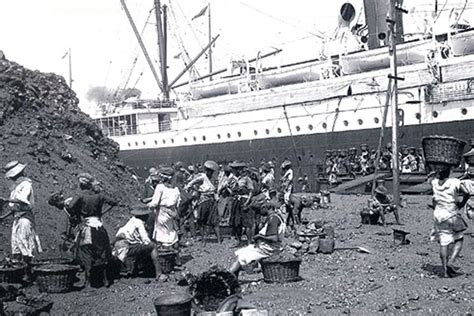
(42, 125)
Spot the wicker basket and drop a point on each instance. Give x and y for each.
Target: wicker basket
(173, 304)
(55, 278)
(281, 271)
(167, 259)
(13, 273)
(442, 150)
(369, 219)
(43, 262)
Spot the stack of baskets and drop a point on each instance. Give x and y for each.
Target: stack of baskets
(167, 259)
(281, 269)
(442, 151)
(12, 272)
(55, 278)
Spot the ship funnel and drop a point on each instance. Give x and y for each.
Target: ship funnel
(346, 14)
(376, 12)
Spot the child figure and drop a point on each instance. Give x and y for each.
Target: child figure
(382, 203)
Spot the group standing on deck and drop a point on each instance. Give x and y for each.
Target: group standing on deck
(257, 204)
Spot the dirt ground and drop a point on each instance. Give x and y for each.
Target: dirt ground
(392, 279)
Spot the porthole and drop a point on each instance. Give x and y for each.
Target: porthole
(418, 116)
(172, 140)
(239, 134)
(325, 125)
(185, 140)
(136, 143)
(164, 141)
(360, 121)
(228, 135)
(156, 142)
(194, 138)
(279, 130)
(267, 131)
(346, 123)
(129, 145)
(298, 128)
(464, 111)
(255, 132)
(218, 136)
(144, 143)
(310, 127)
(203, 138)
(435, 114)
(376, 120)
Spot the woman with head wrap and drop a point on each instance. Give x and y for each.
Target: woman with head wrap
(165, 201)
(92, 241)
(207, 206)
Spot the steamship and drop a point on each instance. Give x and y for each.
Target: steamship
(300, 110)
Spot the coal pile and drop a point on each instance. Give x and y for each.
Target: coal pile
(42, 125)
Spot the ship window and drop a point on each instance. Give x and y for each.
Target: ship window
(136, 143)
(267, 131)
(418, 116)
(435, 114)
(325, 125)
(376, 120)
(156, 142)
(310, 127)
(218, 136)
(172, 140)
(298, 128)
(228, 135)
(185, 140)
(164, 141)
(204, 138)
(194, 138)
(346, 123)
(144, 143)
(279, 130)
(255, 132)
(129, 145)
(360, 121)
(464, 111)
(239, 134)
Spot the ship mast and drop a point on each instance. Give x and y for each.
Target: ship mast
(162, 49)
(209, 39)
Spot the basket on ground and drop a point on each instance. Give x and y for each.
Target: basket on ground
(167, 259)
(443, 150)
(281, 269)
(369, 218)
(12, 272)
(173, 304)
(55, 278)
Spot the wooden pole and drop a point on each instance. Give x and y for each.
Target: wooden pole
(70, 68)
(382, 132)
(394, 75)
(210, 39)
(161, 49)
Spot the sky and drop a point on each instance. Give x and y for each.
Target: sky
(37, 34)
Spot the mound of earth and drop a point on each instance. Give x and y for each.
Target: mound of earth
(42, 125)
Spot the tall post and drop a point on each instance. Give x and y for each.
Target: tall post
(165, 51)
(394, 75)
(161, 48)
(70, 68)
(210, 39)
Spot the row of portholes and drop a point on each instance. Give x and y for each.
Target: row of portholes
(435, 113)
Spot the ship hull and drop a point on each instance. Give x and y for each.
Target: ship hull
(309, 148)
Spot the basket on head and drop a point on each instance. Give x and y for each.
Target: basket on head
(281, 270)
(167, 259)
(442, 150)
(55, 278)
(173, 304)
(12, 273)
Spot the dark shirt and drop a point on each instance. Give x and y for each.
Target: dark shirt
(89, 203)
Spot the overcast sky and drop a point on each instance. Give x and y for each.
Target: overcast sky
(38, 33)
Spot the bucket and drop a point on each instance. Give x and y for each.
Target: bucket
(325, 197)
(173, 304)
(326, 245)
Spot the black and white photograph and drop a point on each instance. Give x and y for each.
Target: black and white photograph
(236, 157)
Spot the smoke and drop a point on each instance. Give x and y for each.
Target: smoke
(99, 94)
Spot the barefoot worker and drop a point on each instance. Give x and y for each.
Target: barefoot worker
(24, 240)
(92, 242)
(132, 240)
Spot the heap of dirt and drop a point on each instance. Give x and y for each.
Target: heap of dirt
(42, 125)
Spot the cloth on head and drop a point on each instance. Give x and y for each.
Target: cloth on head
(166, 172)
(238, 164)
(86, 178)
(381, 190)
(212, 165)
(13, 169)
(286, 163)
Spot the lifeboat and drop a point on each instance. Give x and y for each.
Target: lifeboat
(290, 75)
(462, 43)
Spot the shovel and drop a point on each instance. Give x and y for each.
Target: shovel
(359, 249)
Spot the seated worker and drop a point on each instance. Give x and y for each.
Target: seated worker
(298, 203)
(132, 240)
(382, 203)
(266, 243)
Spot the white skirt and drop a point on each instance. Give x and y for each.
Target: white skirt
(25, 241)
